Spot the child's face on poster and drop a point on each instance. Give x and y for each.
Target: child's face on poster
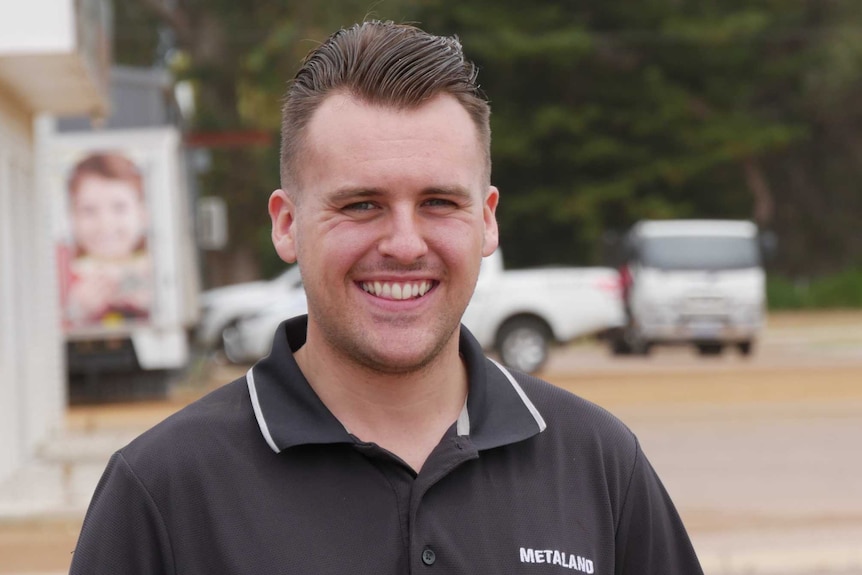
(109, 217)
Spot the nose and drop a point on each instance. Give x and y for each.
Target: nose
(403, 239)
(104, 222)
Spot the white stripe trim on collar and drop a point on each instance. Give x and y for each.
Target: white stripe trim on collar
(540, 421)
(258, 414)
(462, 427)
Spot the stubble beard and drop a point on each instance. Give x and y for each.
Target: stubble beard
(351, 342)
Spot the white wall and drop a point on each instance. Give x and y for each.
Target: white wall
(36, 26)
(32, 370)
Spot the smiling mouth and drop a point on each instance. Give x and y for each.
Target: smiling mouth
(397, 290)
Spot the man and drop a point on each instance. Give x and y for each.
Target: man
(376, 438)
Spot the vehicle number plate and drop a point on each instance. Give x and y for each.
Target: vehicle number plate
(705, 329)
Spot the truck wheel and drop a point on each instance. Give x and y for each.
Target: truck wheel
(710, 348)
(523, 344)
(617, 342)
(219, 350)
(619, 346)
(744, 347)
(232, 347)
(642, 348)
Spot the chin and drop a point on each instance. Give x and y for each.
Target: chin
(409, 361)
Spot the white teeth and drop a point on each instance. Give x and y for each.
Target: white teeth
(397, 291)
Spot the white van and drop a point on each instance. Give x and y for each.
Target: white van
(697, 282)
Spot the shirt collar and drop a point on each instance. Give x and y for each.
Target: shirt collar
(289, 412)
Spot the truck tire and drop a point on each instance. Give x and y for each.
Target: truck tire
(745, 347)
(709, 348)
(626, 342)
(218, 351)
(619, 346)
(523, 344)
(642, 348)
(231, 348)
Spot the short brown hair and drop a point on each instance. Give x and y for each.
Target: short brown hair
(386, 64)
(108, 166)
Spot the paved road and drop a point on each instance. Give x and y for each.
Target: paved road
(762, 455)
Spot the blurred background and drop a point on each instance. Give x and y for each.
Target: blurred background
(604, 114)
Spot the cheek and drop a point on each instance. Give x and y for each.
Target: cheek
(457, 240)
(339, 246)
(135, 222)
(84, 226)
(136, 227)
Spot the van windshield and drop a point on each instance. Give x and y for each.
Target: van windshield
(700, 253)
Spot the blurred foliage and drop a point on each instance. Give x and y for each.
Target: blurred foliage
(838, 291)
(608, 112)
(603, 112)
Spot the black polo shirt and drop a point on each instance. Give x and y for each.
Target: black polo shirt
(258, 477)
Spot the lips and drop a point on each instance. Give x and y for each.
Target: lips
(397, 290)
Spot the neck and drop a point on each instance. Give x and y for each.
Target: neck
(405, 413)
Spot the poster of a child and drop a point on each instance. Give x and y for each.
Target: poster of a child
(110, 272)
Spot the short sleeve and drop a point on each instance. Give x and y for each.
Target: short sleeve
(650, 536)
(123, 531)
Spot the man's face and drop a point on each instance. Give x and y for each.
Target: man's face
(108, 217)
(391, 220)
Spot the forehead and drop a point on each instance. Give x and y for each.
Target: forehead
(345, 131)
(93, 188)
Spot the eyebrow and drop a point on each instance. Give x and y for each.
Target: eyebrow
(345, 194)
(351, 193)
(454, 191)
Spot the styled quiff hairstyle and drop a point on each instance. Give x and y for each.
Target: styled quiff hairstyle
(384, 64)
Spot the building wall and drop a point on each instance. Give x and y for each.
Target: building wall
(32, 371)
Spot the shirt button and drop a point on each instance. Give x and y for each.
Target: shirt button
(428, 557)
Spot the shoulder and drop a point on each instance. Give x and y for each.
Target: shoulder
(573, 413)
(575, 424)
(197, 433)
(583, 448)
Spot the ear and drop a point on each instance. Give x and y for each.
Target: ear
(489, 209)
(282, 212)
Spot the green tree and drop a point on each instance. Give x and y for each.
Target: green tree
(608, 112)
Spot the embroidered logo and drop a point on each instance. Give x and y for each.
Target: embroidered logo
(555, 557)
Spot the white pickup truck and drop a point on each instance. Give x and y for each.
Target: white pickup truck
(518, 314)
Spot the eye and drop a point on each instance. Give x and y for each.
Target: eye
(87, 211)
(440, 202)
(359, 207)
